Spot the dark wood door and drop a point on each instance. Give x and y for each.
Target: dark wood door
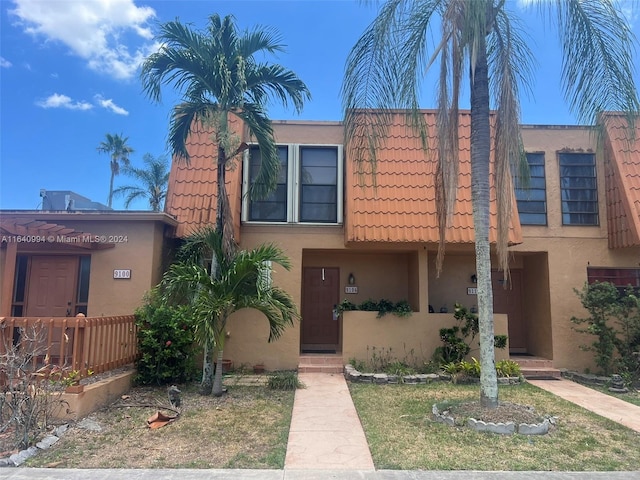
(320, 295)
(509, 301)
(52, 286)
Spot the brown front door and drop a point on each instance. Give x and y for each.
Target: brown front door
(509, 301)
(320, 295)
(52, 286)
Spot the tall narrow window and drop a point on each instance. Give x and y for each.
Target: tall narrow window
(578, 188)
(20, 286)
(84, 271)
(532, 198)
(319, 184)
(273, 208)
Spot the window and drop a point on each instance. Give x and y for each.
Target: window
(84, 271)
(532, 198)
(274, 207)
(308, 186)
(578, 189)
(620, 277)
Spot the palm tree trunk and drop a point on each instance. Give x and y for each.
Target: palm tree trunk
(113, 174)
(206, 385)
(480, 194)
(217, 380)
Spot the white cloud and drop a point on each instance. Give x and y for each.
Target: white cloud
(110, 105)
(111, 35)
(4, 63)
(58, 100)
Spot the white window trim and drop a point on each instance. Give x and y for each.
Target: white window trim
(293, 185)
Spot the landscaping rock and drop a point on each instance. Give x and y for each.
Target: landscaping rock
(380, 378)
(19, 458)
(500, 428)
(47, 441)
(89, 424)
(534, 429)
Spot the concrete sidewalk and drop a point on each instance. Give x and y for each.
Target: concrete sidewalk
(604, 405)
(325, 430)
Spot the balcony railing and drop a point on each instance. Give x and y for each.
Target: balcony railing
(79, 344)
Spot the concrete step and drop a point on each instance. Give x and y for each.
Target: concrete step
(537, 368)
(320, 363)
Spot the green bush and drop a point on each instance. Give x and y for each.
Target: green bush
(615, 322)
(383, 307)
(285, 380)
(165, 344)
(508, 368)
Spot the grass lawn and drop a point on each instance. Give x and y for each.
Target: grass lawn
(633, 396)
(402, 435)
(246, 428)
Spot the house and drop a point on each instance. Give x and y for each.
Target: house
(94, 262)
(351, 237)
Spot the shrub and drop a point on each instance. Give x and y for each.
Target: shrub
(285, 380)
(165, 344)
(615, 322)
(508, 368)
(383, 307)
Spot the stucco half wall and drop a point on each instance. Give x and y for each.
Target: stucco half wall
(413, 337)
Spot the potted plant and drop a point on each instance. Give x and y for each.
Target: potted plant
(258, 368)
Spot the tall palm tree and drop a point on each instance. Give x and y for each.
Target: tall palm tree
(219, 76)
(152, 182)
(244, 281)
(480, 40)
(116, 146)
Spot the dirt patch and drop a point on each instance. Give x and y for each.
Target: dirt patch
(245, 428)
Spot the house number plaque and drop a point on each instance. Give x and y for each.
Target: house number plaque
(122, 274)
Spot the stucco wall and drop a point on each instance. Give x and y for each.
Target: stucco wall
(416, 336)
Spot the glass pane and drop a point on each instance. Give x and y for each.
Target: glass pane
(255, 160)
(587, 195)
(536, 170)
(83, 279)
(319, 165)
(318, 194)
(21, 278)
(272, 209)
(535, 159)
(318, 212)
(533, 219)
(576, 159)
(531, 194)
(579, 219)
(532, 207)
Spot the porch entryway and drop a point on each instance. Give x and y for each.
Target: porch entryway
(509, 300)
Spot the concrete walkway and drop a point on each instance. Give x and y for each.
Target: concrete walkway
(325, 430)
(604, 405)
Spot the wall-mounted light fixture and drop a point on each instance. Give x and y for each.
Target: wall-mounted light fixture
(474, 279)
(352, 279)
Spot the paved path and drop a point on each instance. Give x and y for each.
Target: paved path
(604, 405)
(325, 430)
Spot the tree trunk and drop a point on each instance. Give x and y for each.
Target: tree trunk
(113, 174)
(217, 381)
(206, 385)
(480, 195)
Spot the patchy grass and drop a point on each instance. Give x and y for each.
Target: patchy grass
(246, 428)
(633, 396)
(402, 435)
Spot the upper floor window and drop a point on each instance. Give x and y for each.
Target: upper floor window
(308, 186)
(532, 198)
(578, 189)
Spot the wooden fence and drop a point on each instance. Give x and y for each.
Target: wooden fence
(80, 344)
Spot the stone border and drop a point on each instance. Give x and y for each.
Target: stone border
(507, 428)
(353, 375)
(17, 459)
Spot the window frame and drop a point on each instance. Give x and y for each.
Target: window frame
(563, 202)
(615, 276)
(294, 185)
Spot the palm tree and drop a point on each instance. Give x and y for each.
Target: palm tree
(219, 76)
(152, 181)
(244, 281)
(481, 39)
(116, 146)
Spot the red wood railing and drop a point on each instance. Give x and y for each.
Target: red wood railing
(80, 344)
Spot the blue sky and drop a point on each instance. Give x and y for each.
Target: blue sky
(69, 75)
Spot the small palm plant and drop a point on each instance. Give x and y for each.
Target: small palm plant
(242, 281)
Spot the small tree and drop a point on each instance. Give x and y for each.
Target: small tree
(615, 321)
(152, 181)
(243, 281)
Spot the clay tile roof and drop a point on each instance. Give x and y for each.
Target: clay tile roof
(622, 180)
(192, 192)
(41, 232)
(402, 207)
